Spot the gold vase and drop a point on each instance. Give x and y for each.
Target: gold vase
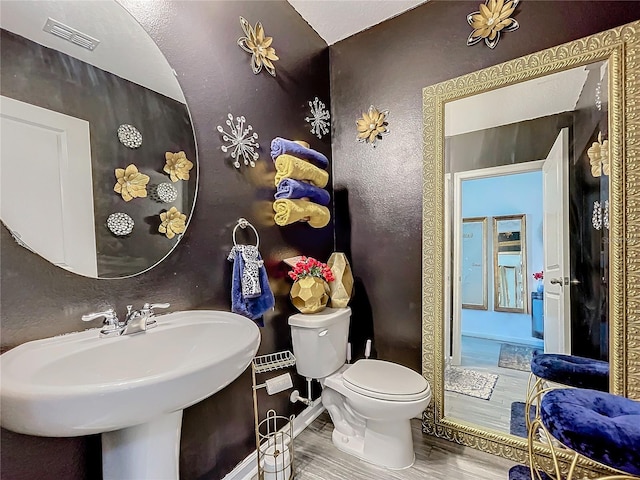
(310, 294)
(342, 287)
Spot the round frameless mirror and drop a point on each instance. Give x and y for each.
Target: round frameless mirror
(98, 159)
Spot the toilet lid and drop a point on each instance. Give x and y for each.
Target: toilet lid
(385, 380)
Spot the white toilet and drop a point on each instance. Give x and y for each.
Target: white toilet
(370, 402)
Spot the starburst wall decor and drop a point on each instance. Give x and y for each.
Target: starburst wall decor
(320, 118)
(242, 142)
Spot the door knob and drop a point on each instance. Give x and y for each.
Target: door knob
(558, 281)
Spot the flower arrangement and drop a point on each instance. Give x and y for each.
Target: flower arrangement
(539, 275)
(310, 267)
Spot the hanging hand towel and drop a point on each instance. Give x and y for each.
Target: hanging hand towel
(290, 211)
(280, 146)
(251, 295)
(251, 263)
(294, 189)
(292, 167)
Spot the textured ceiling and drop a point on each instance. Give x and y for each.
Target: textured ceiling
(335, 20)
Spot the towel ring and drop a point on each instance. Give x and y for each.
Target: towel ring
(244, 223)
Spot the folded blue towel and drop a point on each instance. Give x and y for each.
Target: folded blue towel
(290, 188)
(249, 279)
(280, 146)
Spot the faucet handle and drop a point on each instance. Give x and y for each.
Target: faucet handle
(110, 317)
(152, 322)
(151, 306)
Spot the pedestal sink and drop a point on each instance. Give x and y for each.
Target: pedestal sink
(131, 389)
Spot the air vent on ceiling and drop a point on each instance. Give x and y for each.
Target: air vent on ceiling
(70, 34)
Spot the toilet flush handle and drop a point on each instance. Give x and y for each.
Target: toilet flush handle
(322, 333)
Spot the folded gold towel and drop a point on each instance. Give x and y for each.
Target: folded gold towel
(290, 211)
(288, 166)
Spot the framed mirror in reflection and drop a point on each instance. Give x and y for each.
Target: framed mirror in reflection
(61, 109)
(473, 271)
(510, 263)
(523, 143)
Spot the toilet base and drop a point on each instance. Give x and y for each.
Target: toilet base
(385, 444)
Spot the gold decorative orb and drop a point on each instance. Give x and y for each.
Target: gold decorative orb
(310, 294)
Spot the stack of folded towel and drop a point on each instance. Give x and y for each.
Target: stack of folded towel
(300, 180)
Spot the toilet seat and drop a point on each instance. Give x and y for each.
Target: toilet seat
(385, 381)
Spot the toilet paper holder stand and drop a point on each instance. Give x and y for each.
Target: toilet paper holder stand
(274, 434)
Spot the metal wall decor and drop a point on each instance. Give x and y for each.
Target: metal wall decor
(172, 222)
(320, 118)
(242, 142)
(493, 17)
(130, 183)
(372, 125)
(177, 166)
(129, 136)
(598, 155)
(165, 192)
(259, 46)
(600, 215)
(120, 224)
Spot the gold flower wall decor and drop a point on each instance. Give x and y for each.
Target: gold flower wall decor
(259, 46)
(372, 125)
(172, 222)
(131, 183)
(177, 166)
(493, 17)
(598, 155)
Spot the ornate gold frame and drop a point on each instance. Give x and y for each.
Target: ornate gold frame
(485, 295)
(621, 47)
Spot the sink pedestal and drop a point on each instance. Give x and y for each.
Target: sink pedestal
(150, 450)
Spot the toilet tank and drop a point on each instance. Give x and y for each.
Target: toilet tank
(320, 341)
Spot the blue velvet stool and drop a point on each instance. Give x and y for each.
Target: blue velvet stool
(572, 371)
(601, 426)
(569, 370)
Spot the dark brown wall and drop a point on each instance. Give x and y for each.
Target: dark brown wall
(379, 192)
(40, 300)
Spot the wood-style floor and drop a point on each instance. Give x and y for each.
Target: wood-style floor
(495, 413)
(317, 459)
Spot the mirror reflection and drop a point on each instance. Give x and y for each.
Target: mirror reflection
(510, 263)
(473, 282)
(64, 102)
(529, 170)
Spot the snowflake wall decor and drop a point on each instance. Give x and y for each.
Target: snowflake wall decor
(319, 119)
(242, 142)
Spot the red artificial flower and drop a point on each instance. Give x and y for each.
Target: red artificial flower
(539, 275)
(310, 267)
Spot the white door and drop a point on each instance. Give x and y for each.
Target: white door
(555, 189)
(47, 155)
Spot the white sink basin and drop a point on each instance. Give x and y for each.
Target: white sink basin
(81, 384)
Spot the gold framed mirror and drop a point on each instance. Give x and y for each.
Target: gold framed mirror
(605, 66)
(510, 263)
(473, 288)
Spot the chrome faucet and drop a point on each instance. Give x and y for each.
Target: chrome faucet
(135, 321)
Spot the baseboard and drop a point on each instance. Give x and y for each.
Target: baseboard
(533, 342)
(248, 468)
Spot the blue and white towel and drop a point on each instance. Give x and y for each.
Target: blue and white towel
(251, 295)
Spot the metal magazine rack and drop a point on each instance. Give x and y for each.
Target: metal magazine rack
(274, 434)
